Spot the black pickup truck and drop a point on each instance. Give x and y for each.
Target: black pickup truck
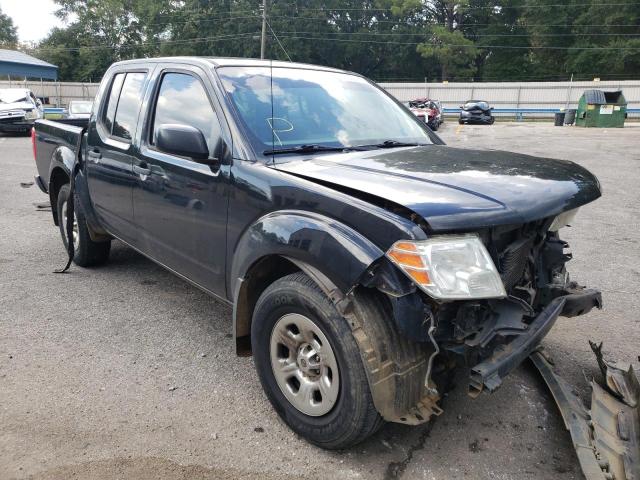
(363, 258)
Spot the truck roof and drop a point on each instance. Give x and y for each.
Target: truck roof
(231, 62)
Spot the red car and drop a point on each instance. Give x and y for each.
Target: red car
(429, 111)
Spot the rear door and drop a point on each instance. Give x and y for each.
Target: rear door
(181, 205)
(110, 150)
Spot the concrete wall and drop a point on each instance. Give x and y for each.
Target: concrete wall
(542, 95)
(59, 93)
(538, 95)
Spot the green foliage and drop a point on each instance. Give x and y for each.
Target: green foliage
(402, 40)
(451, 50)
(8, 32)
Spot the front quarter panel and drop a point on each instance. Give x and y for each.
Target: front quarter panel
(336, 250)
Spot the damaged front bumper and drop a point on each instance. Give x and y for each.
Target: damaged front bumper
(606, 437)
(488, 374)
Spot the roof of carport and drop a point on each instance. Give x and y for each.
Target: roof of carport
(20, 64)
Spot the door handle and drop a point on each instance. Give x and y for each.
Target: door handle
(94, 155)
(142, 169)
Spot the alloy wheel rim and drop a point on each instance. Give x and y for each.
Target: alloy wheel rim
(304, 365)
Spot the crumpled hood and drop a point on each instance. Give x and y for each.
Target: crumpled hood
(4, 107)
(457, 189)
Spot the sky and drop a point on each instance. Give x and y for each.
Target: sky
(34, 18)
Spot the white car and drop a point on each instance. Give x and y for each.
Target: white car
(80, 109)
(19, 109)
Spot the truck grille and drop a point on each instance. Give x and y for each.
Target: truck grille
(11, 116)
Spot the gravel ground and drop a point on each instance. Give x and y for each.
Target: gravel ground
(125, 371)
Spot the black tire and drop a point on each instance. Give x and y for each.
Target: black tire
(460, 122)
(87, 252)
(353, 417)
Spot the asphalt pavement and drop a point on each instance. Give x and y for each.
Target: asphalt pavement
(126, 371)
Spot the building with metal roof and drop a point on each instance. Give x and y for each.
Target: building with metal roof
(18, 64)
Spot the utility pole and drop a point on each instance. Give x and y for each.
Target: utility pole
(263, 40)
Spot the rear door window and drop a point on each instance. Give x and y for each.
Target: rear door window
(116, 86)
(122, 110)
(128, 106)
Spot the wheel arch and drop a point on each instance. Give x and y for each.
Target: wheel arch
(58, 177)
(335, 256)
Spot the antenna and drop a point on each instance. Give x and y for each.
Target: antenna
(278, 40)
(273, 133)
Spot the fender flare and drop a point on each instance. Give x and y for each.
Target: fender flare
(332, 253)
(335, 249)
(63, 158)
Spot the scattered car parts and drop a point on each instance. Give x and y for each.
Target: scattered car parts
(606, 436)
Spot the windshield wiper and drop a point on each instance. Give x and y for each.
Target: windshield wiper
(310, 149)
(394, 144)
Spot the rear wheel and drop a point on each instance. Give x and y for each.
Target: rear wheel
(309, 365)
(87, 252)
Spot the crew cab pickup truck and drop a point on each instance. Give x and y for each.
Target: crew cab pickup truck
(364, 259)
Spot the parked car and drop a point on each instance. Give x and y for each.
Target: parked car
(364, 259)
(476, 111)
(19, 108)
(429, 111)
(79, 109)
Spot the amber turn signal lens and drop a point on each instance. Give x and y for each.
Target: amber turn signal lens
(407, 259)
(421, 277)
(407, 256)
(409, 247)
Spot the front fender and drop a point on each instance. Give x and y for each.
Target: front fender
(338, 251)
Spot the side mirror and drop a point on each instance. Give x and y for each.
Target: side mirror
(183, 140)
(38, 102)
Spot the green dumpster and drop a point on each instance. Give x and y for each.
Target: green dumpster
(598, 108)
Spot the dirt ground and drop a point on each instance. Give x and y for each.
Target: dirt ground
(127, 372)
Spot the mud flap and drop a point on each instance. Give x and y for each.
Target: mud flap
(606, 437)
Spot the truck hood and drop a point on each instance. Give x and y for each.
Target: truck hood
(454, 188)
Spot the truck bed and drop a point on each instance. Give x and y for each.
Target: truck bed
(52, 135)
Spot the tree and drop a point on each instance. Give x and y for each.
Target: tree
(445, 42)
(8, 31)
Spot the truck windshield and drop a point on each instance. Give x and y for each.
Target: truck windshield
(312, 107)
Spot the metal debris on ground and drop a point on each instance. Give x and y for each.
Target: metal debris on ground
(43, 206)
(606, 437)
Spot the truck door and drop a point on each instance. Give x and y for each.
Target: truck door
(181, 205)
(109, 157)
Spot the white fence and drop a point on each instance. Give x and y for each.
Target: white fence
(56, 93)
(501, 95)
(513, 95)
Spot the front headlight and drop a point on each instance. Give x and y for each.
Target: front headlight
(564, 219)
(449, 267)
(31, 114)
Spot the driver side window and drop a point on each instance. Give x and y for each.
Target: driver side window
(183, 100)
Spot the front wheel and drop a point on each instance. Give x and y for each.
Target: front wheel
(309, 365)
(87, 252)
